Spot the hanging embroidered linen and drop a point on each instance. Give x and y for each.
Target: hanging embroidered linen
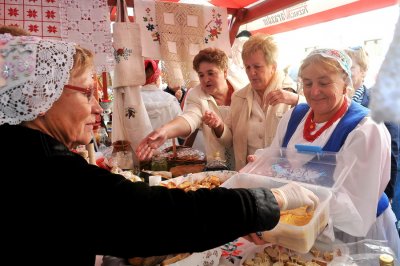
(129, 68)
(175, 33)
(181, 30)
(216, 28)
(39, 18)
(385, 95)
(87, 23)
(145, 13)
(130, 119)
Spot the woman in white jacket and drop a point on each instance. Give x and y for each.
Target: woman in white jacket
(213, 94)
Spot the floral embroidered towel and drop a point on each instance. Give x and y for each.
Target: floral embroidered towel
(176, 32)
(130, 119)
(150, 36)
(216, 31)
(129, 63)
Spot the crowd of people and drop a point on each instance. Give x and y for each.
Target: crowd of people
(331, 114)
(48, 108)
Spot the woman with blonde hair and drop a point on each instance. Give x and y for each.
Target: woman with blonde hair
(257, 108)
(359, 208)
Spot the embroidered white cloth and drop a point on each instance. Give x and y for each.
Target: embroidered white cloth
(87, 23)
(39, 18)
(130, 119)
(127, 47)
(176, 32)
(385, 95)
(216, 28)
(150, 37)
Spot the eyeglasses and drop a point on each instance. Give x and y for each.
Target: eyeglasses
(87, 91)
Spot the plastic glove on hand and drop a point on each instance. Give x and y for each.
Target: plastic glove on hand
(295, 196)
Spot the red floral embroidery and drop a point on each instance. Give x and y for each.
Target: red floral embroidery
(13, 12)
(33, 28)
(50, 14)
(50, 1)
(33, 1)
(213, 27)
(32, 13)
(52, 29)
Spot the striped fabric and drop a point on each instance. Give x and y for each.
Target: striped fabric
(358, 95)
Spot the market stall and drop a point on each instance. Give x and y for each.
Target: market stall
(294, 240)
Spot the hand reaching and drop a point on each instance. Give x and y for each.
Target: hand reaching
(211, 119)
(281, 96)
(178, 94)
(295, 196)
(251, 158)
(150, 143)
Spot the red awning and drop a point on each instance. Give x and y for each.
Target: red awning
(341, 11)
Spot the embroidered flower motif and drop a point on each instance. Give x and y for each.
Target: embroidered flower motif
(130, 112)
(52, 29)
(231, 251)
(8, 70)
(50, 14)
(213, 27)
(32, 13)
(150, 27)
(122, 53)
(33, 28)
(153, 28)
(13, 12)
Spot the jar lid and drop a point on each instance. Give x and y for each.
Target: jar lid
(385, 259)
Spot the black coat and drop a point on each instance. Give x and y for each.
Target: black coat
(60, 210)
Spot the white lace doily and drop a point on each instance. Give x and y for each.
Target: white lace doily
(87, 23)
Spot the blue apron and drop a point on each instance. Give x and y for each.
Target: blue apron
(349, 121)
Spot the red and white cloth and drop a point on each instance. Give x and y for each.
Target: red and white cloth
(176, 32)
(39, 17)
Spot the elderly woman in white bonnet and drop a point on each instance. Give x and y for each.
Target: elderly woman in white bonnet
(359, 208)
(61, 210)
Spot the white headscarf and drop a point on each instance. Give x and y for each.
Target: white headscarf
(33, 74)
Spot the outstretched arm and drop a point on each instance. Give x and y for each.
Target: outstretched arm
(177, 127)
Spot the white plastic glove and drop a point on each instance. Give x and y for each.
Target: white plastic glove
(295, 196)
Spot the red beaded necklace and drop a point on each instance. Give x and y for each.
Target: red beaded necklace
(309, 125)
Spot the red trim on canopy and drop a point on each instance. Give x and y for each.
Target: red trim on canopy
(232, 3)
(328, 15)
